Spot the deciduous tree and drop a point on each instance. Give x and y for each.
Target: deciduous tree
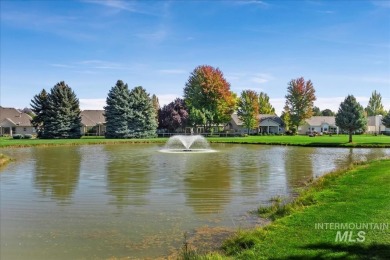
(174, 115)
(207, 89)
(327, 112)
(248, 109)
(350, 116)
(265, 106)
(300, 100)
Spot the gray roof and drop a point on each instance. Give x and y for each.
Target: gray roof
(92, 117)
(15, 116)
(319, 120)
(261, 118)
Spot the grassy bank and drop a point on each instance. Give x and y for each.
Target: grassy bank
(369, 141)
(358, 195)
(318, 141)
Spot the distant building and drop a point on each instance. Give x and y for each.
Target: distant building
(375, 126)
(93, 122)
(319, 124)
(14, 121)
(267, 124)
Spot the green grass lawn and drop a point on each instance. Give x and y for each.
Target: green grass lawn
(301, 140)
(320, 141)
(359, 195)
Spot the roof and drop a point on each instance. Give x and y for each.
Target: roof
(261, 118)
(92, 117)
(319, 120)
(15, 116)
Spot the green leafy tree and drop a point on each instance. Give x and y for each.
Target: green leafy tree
(118, 112)
(265, 106)
(62, 118)
(316, 111)
(386, 120)
(197, 117)
(248, 109)
(350, 116)
(327, 112)
(286, 118)
(39, 107)
(207, 89)
(156, 105)
(300, 100)
(375, 106)
(143, 123)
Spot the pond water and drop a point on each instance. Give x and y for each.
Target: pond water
(130, 200)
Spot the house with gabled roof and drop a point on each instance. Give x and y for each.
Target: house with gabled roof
(93, 122)
(319, 124)
(267, 124)
(14, 121)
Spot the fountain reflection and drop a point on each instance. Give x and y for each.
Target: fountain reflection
(187, 143)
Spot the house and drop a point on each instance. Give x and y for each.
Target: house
(267, 124)
(375, 126)
(319, 124)
(93, 122)
(13, 121)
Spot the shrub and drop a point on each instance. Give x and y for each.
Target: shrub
(27, 136)
(17, 136)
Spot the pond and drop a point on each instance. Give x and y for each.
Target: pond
(130, 200)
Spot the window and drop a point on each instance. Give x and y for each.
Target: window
(24, 129)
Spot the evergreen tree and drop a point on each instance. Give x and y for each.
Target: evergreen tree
(39, 107)
(386, 120)
(327, 112)
(62, 119)
(118, 112)
(316, 111)
(143, 124)
(375, 106)
(156, 105)
(350, 116)
(265, 106)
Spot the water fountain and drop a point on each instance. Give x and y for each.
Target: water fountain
(187, 144)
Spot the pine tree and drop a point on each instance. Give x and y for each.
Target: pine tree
(118, 112)
(375, 106)
(386, 120)
(39, 107)
(350, 116)
(143, 124)
(63, 118)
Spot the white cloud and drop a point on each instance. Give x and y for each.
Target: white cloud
(173, 71)
(261, 78)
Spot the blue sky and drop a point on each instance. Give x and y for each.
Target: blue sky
(342, 46)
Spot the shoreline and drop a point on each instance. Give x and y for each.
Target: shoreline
(315, 203)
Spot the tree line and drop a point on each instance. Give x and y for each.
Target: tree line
(207, 101)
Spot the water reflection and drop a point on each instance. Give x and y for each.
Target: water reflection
(298, 165)
(207, 182)
(57, 171)
(128, 174)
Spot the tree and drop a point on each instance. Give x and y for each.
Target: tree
(265, 106)
(375, 106)
(207, 89)
(286, 118)
(143, 123)
(316, 111)
(386, 120)
(350, 116)
(248, 109)
(174, 115)
(156, 105)
(327, 112)
(62, 118)
(118, 112)
(300, 100)
(39, 107)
